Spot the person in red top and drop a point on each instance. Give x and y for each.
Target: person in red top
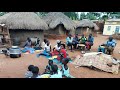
(62, 53)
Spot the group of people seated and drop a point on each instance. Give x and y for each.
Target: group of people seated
(73, 42)
(51, 70)
(58, 50)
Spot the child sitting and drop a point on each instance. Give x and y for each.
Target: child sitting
(56, 72)
(35, 72)
(48, 69)
(29, 73)
(65, 68)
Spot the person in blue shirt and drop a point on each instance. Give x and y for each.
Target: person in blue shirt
(89, 42)
(69, 41)
(108, 46)
(75, 41)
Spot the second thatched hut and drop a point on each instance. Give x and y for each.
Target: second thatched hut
(85, 27)
(25, 24)
(59, 24)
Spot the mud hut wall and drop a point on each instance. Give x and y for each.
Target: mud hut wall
(62, 30)
(84, 31)
(23, 34)
(59, 30)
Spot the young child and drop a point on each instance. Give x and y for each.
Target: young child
(29, 73)
(35, 72)
(65, 68)
(48, 69)
(56, 72)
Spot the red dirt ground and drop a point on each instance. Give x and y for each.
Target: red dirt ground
(16, 68)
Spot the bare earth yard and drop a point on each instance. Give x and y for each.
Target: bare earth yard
(16, 68)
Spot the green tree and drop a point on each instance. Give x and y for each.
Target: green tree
(72, 15)
(82, 16)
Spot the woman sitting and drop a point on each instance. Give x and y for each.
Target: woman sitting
(47, 50)
(28, 46)
(38, 45)
(56, 48)
(62, 53)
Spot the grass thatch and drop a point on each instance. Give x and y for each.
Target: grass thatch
(85, 23)
(55, 18)
(25, 20)
(3, 18)
(96, 27)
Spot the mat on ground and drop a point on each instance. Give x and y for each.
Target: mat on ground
(100, 61)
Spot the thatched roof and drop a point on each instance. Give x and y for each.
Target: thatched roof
(25, 20)
(3, 18)
(85, 23)
(96, 27)
(93, 24)
(55, 18)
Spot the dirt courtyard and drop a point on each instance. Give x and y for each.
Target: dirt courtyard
(16, 68)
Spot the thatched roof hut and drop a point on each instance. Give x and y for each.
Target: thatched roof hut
(25, 20)
(96, 27)
(3, 18)
(24, 24)
(85, 26)
(55, 18)
(85, 23)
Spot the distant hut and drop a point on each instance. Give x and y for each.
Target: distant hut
(100, 24)
(85, 26)
(25, 24)
(59, 24)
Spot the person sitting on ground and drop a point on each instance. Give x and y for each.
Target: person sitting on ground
(69, 41)
(65, 68)
(109, 45)
(43, 43)
(28, 46)
(62, 53)
(89, 42)
(56, 48)
(38, 45)
(56, 72)
(28, 43)
(83, 39)
(75, 41)
(35, 72)
(29, 73)
(47, 50)
(48, 69)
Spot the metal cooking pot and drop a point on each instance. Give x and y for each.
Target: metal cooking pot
(15, 51)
